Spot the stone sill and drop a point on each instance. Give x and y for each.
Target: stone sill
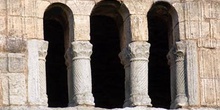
(94, 108)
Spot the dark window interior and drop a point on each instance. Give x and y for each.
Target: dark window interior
(107, 71)
(159, 72)
(56, 73)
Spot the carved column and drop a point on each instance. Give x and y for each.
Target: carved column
(125, 60)
(81, 69)
(139, 53)
(181, 99)
(42, 52)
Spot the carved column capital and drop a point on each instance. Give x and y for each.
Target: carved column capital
(124, 56)
(139, 50)
(81, 49)
(42, 49)
(180, 51)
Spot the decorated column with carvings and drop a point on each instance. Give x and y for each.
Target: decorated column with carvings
(42, 52)
(139, 54)
(181, 98)
(81, 70)
(125, 60)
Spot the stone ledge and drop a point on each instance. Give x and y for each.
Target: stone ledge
(94, 108)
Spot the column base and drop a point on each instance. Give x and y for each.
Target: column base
(179, 102)
(82, 100)
(140, 100)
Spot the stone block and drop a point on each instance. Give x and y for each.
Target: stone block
(209, 63)
(217, 83)
(83, 7)
(39, 29)
(15, 45)
(193, 11)
(81, 27)
(3, 63)
(14, 7)
(54, 1)
(2, 24)
(209, 43)
(5, 89)
(180, 11)
(41, 6)
(3, 6)
(14, 26)
(17, 89)
(212, 9)
(29, 8)
(1, 93)
(139, 6)
(139, 28)
(197, 29)
(215, 26)
(29, 27)
(208, 92)
(16, 63)
(2, 42)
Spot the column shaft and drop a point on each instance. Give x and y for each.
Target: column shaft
(139, 53)
(82, 83)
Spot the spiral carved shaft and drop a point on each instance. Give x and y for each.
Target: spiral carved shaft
(181, 99)
(82, 84)
(139, 54)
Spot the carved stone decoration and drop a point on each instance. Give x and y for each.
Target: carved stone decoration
(125, 60)
(81, 70)
(37, 51)
(139, 54)
(42, 52)
(181, 100)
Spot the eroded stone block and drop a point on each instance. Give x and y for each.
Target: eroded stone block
(14, 26)
(30, 27)
(215, 26)
(3, 63)
(81, 7)
(208, 94)
(1, 93)
(14, 7)
(15, 45)
(82, 27)
(17, 89)
(5, 89)
(16, 63)
(139, 29)
(3, 5)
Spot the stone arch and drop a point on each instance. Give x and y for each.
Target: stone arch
(108, 39)
(58, 27)
(165, 42)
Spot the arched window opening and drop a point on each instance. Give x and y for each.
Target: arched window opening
(55, 32)
(107, 71)
(160, 38)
